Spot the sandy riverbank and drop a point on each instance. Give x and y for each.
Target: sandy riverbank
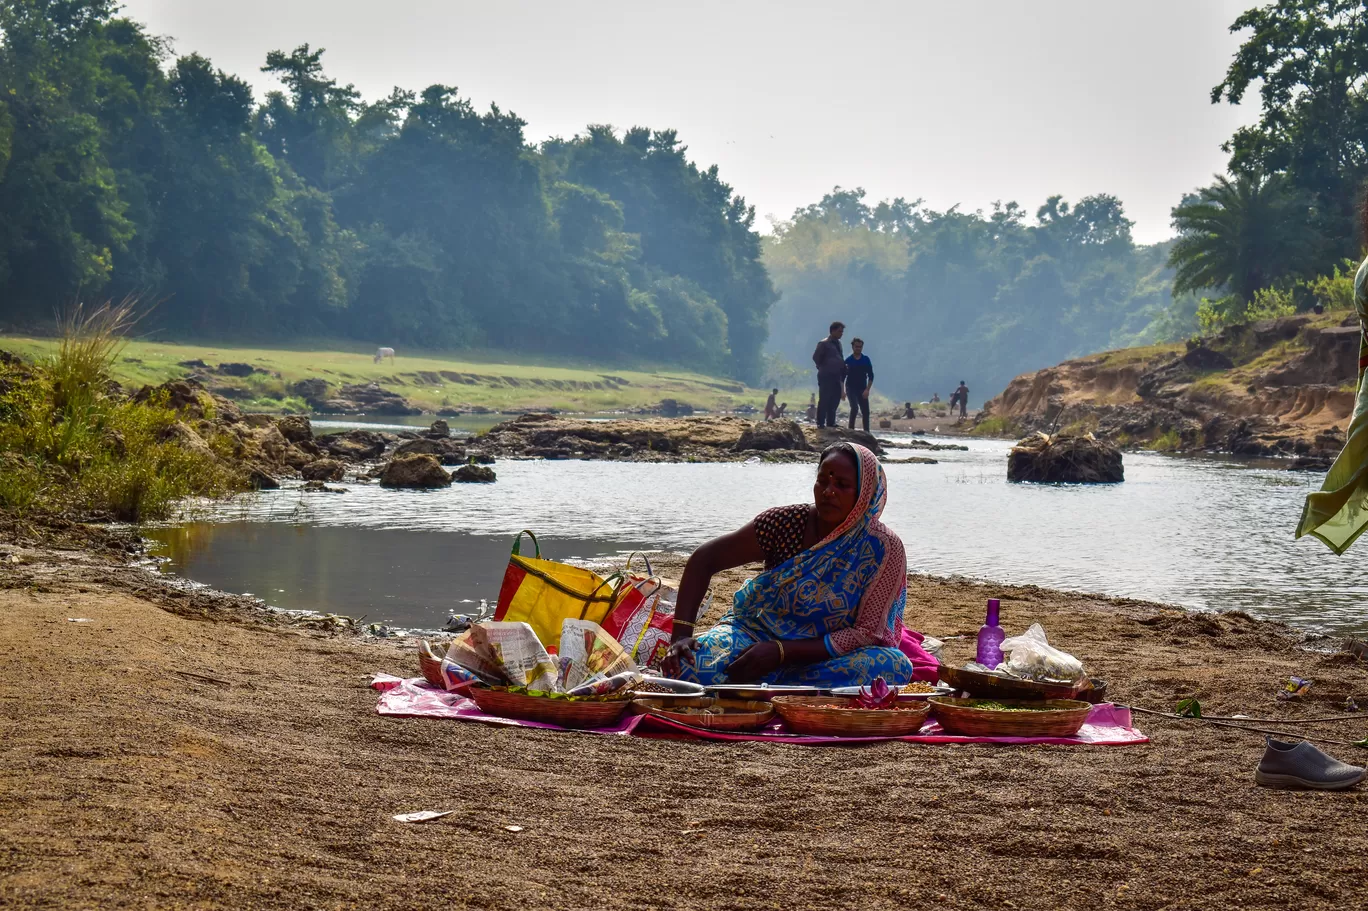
(175, 753)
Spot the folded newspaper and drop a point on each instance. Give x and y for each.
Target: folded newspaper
(514, 649)
(590, 661)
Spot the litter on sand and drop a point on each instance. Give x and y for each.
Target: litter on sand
(422, 815)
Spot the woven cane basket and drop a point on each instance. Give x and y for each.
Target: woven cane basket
(1050, 718)
(580, 712)
(740, 715)
(991, 686)
(816, 715)
(431, 664)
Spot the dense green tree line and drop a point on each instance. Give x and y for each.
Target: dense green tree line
(944, 296)
(410, 220)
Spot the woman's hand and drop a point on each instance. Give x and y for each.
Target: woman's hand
(680, 653)
(760, 660)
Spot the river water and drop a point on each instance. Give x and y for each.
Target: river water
(1202, 533)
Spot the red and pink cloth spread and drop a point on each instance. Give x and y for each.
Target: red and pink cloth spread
(1107, 724)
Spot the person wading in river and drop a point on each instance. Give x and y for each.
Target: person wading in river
(774, 412)
(831, 370)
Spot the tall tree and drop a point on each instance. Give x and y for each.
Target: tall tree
(312, 127)
(1309, 59)
(1240, 235)
(64, 219)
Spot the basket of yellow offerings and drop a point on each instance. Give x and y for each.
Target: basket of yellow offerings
(843, 716)
(551, 708)
(707, 712)
(1010, 718)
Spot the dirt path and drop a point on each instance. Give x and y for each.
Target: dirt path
(153, 758)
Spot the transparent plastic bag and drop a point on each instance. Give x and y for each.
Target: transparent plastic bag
(1031, 657)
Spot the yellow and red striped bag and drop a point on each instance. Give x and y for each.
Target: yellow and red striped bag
(543, 593)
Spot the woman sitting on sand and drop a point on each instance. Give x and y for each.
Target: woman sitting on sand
(827, 610)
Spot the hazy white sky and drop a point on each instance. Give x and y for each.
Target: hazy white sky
(956, 101)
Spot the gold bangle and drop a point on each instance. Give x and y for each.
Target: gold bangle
(780, 643)
(688, 623)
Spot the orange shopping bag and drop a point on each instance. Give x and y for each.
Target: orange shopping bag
(544, 593)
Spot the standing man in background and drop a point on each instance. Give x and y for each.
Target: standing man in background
(963, 393)
(859, 382)
(831, 368)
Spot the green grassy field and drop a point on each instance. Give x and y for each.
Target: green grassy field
(431, 381)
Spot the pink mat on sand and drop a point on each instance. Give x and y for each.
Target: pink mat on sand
(1107, 724)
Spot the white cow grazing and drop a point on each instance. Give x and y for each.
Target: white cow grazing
(382, 353)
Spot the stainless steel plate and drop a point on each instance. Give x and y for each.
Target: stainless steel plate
(761, 692)
(902, 697)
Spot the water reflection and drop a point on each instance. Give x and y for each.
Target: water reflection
(410, 578)
(1202, 533)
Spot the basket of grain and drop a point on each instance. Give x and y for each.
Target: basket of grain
(1020, 718)
(839, 716)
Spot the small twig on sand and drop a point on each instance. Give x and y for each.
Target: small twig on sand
(1320, 719)
(1241, 727)
(206, 677)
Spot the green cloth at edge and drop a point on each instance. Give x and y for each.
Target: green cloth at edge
(1338, 512)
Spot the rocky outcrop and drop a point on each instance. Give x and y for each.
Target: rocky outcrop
(323, 470)
(924, 444)
(767, 436)
(353, 445)
(368, 398)
(695, 439)
(1065, 459)
(320, 487)
(473, 474)
(439, 430)
(296, 428)
(186, 437)
(447, 451)
(261, 480)
(314, 391)
(417, 470)
(824, 437)
(192, 401)
(1280, 387)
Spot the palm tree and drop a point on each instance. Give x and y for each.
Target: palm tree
(1240, 235)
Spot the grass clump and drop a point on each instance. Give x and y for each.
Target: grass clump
(71, 441)
(998, 426)
(1168, 441)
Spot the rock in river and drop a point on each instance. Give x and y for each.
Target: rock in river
(1066, 459)
(416, 470)
(447, 450)
(353, 445)
(295, 428)
(323, 470)
(473, 474)
(769, 435)
(368, 398)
